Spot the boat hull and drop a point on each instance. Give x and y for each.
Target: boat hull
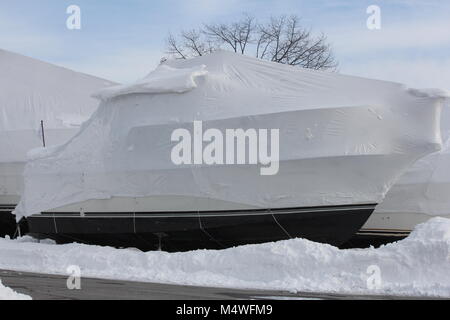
(180, 231)
(386, 227)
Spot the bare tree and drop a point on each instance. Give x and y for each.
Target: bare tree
(190, 43)
(284, 40)
(281, 39)
(237, 35)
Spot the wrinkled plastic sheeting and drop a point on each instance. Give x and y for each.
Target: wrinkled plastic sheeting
(425, 187)
(343, 140)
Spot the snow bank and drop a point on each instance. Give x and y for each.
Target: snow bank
(9, 294)
(418, 265)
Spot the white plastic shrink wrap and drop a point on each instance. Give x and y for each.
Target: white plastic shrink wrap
(342, 140)
(32, 91)
(420, 193)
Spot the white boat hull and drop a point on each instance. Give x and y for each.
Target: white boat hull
(394, 224)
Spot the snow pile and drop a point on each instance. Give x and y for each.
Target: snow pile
(416, 266)
(9, 294)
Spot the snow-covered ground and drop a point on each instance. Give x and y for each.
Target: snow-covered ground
(418, 265)
(9, 294)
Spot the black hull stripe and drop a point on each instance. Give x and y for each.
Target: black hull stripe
(384, 230)
(7, 207)
(383, 233)
(191, 214)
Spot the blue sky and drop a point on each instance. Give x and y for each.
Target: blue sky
(122, 40)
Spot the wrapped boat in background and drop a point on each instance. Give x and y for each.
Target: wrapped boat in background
(33, 91)
(421, 193)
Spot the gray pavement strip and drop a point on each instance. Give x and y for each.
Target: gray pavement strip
(53, 287)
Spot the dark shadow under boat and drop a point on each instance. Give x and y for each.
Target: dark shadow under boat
(7, 221)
